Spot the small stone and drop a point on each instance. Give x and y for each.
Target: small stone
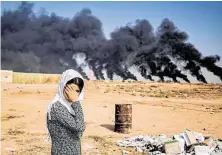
(10, 150)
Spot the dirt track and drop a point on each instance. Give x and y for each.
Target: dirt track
(157, 109)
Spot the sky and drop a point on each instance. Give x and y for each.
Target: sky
(202, 21)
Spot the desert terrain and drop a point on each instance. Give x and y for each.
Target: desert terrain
(158, 108)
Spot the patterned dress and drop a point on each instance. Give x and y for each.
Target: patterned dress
(65, 129)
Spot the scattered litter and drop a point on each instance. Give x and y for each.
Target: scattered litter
(12, 150)
(138, 149)
(180, 139)
(202, 150)
(211, 143)
(88, 147)
(172, 147)
(157, 153)
(186, 143)
(218, 149)
(199, 137)
(125, 152)
(189, 138)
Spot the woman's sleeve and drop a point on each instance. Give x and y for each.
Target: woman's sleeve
(74, 123)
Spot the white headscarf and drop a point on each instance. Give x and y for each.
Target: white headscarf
(66, 76)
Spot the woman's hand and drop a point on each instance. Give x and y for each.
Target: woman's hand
(71, 93)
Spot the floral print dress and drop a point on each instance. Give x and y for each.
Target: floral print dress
(66, 129)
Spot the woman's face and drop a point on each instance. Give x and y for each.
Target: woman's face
(76, 91)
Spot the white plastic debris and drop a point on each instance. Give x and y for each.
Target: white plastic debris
(180, 139)
(189, 138)
(188, 143)
(148, 139)
(11, 150)
(219, 143)
(202, 150)
(142, 143)
(172, 147)
(211, 143)
(199, 137)
(216, 153)
(164, 138)
(139, 149)
(88, 147)
(125, 152)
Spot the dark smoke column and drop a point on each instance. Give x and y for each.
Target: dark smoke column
(88, 37)
(174, 41)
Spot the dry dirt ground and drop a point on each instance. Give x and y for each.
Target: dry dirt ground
(158, 108)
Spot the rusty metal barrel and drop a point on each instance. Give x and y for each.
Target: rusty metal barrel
(123, 118)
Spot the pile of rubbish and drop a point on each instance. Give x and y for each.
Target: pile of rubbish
(186, 143)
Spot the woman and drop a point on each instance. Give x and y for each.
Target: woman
(65, 120)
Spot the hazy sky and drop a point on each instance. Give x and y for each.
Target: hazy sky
(201, 20)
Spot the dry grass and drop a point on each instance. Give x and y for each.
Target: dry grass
(6, 117)
(35, 78)
(166, 90)
(136, 88)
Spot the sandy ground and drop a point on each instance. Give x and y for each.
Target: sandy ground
(158, 108)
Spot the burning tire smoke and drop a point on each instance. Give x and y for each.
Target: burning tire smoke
(46, 43)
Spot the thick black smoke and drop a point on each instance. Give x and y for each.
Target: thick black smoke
(171, 44)
(48, 43)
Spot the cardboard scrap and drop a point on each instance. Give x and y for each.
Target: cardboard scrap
(181, 140)
(172, 147)
(199, 137)
(189, 138)
(202, 150)
(211, 143)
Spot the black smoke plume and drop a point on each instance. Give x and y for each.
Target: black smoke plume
(47, 44)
